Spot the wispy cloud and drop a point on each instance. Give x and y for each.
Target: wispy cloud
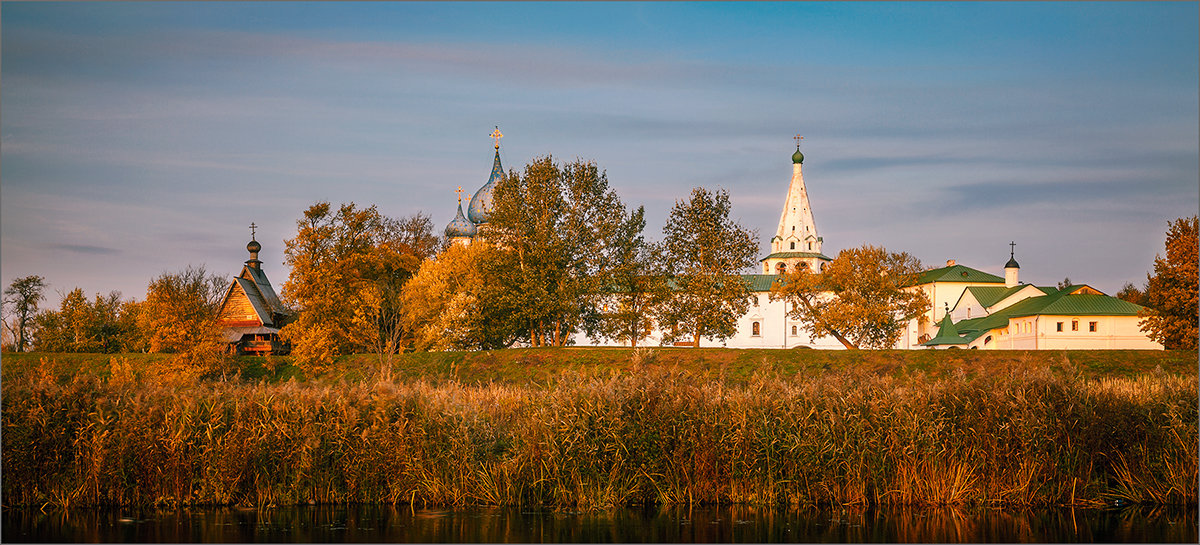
(86, 249)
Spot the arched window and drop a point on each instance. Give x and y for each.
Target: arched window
(793, 245)
(822, 267)
(793, 330)
(781, 268)
(810, 246)
(804, 265)
(1074, 325)
(755, 329)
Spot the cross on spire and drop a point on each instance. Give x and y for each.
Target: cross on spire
(1012, 248)
(798, 138)
(459, 192)
(252, 228)
(496, 136)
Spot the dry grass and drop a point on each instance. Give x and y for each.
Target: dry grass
(651, 435)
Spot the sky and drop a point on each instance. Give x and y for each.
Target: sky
(144, 137)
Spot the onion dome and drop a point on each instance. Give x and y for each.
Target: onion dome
(1012, 261)
(480, 209)
(797, 158)
(254, 247)
(460, 227)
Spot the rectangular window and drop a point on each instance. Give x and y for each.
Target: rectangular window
(1092, 326)
(1058, 327)
(1074, 325)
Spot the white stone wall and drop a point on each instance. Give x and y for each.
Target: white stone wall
(775, 331)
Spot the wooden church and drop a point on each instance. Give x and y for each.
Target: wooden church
(251, 312)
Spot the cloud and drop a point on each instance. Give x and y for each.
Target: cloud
(86, 249)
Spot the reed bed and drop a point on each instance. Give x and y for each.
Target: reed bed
(656, 435)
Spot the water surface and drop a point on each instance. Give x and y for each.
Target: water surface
(371, 523)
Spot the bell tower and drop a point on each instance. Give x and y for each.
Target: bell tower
(796, 244)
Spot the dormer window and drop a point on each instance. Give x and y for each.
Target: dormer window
(793, 245)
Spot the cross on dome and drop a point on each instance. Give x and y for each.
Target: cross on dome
(1012, 249)
(496, 136)
(252, 228)
(459, 192)
(798, 138)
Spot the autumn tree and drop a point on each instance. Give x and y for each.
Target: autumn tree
(703, 251)
(1171, 292)
(636, 287)
(1133, 294)
(107, 324)
(553, 228)
(21, 299)
(180, 314)
(348, 266)
(442, 303)
(860, 298)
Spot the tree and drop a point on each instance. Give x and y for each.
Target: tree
(860, 299)
(348, 267)
(442, 303)
(553, 228)
(1065, 283)
(108, 325)
(636, 286)
(180, 313)
(1133, 294)
(1171, 293)
(703, 250)
(22, 297)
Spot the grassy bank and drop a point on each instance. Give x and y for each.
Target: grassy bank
(760, 427)
(540, 365)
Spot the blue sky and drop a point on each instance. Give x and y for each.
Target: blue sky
(138, 138)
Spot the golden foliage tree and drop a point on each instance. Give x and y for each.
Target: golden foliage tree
(442, 302)
(107, 324)
(180, 314)
(860, 299)
(1171, 292)
(348, 267)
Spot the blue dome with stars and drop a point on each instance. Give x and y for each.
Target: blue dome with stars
(480, 209)
(460, 227)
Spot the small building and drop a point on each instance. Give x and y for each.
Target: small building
(251, 313)
(1071, 318)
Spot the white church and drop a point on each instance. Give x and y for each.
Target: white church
(971, 309)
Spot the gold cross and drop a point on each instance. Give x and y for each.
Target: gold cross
(496, 136)
(459, 192)
(252, 228)
(798, 138)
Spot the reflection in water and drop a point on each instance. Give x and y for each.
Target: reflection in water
(371, 523)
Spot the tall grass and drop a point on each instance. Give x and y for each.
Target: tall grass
(652, 435)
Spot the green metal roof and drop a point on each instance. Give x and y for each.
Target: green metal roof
(957, 273)
(760, 282)
(990, 295)
(947, 335)
(790, 255)
(1085, 305)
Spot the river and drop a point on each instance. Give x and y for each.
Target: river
(371, 523)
